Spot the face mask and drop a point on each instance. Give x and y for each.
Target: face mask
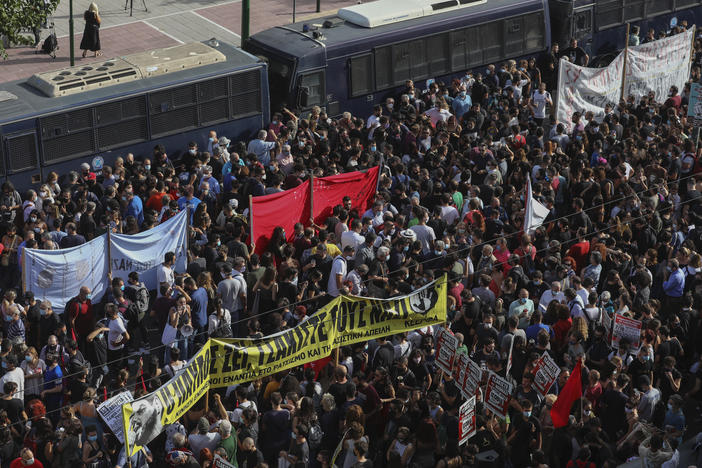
(89, 296)
(670, 407)
(390, 106)
(527, 414)
(8, 318)
(28, 358)
(42, 312)
(147, 167)
(37, 230)
(437, 252)
(522, 300)
(488, 325)
(211, 140)
(33, 219)
(301, 144)
(373, 148)
(628, 410)
(92, 438)
(192, 151)
(124, 198)
(219, 243)
(405, 248)
(28, 462)
(647, 358)
(588, 413)
(121, 288)
(349, 257)
(4, 365)
(42, 194)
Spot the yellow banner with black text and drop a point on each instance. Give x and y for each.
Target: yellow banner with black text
(224, 362)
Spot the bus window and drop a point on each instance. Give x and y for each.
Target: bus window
(383, 67)
(680, 4)
(583, 22)
(401, 63)
(633, 10)
(458, 50)
(279, 75)
(361, 77)
(491, 42)
(514, 37)
(534, 32)
(311, 92)
(438, 56)
(608, 14)
(658, 7)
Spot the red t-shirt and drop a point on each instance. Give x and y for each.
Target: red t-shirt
(17, 463)
(579, 253)
(82, 314)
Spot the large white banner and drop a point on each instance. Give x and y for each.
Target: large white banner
(658, 65)
(583, 89)
(144, 252)
(57, 275)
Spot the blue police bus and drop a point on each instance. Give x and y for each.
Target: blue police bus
(94, 113)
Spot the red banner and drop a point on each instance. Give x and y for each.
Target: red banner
(282, 209)
(292, 206)
(330, 191)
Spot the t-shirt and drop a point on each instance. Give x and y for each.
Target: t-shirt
(540, 101)
(338, 268)
(164, 274)
(14, 408)
(16, 375)
(425, 235)
(117, 328)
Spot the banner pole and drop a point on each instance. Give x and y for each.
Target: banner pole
(109, 252)
(312, 199)
(626, 54)
(251, 238)
(23, 262)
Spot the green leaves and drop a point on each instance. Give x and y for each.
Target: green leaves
(18, 17)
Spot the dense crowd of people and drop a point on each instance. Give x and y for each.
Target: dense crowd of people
(622, 236)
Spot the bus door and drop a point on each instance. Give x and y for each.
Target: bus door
(582, 27)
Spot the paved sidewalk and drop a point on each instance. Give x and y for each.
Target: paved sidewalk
(166, 23)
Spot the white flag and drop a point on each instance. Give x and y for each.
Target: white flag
(535, 211)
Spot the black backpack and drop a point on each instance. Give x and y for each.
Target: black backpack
(50, 45)
(140, 297)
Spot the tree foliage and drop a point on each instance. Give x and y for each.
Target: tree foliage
(17, 17)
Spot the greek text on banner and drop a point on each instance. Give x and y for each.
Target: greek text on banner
(344, 321)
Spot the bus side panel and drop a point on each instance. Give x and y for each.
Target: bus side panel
(20, 153)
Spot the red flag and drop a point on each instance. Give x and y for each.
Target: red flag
(572, 391)
(330, 191)
(282, 209)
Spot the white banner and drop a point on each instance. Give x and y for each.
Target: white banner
(658, 65)
(144, 252)
(111, 412)
(583, 89)
(57, 275)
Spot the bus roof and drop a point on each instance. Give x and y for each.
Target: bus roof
(344, 37)
(30, 102)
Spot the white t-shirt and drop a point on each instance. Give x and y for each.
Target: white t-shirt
(540, 101)
(351, 238)
(164, 274)
(338, 268)
(16, 375)
(117, 328)
(449, 214)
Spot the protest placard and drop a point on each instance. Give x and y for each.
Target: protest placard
(497, 394)
(111, 412)
(460, 370)
(220, 462)
(628, 328)
(545, 373)
(472, 378)
(466, 421)
(446, 344)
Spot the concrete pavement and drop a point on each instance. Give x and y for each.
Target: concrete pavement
(166, 23)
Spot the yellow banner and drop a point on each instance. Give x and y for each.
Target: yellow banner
(344, 321)
(145, 418)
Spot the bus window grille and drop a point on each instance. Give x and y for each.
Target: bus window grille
(108, 113)
(245, 104)
(22, 152)
(213, 89)
(184, 96)
(80, 119)
(122, 133)
(53, 126)
(214, 111)
(243, 82)
(174, 121)
(71, 145)
(134, 107)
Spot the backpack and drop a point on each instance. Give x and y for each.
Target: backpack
(50, 45)
(224, 330)
(314, 436)
(140, 298)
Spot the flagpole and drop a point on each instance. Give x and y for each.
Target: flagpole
(626, 53)
(312, 199)
(251, 235)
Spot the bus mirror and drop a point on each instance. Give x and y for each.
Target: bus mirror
(303, 95)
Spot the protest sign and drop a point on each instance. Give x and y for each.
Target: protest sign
(694, 108)
(446, 344)
(545, 373)
(472, 379)
(606, 321)
(497, 394)
(144, 418)
(466, 421)
(460, 368)
(625, 327)
(582, 89)
(344, 321)
(111, 412)
(658, 65)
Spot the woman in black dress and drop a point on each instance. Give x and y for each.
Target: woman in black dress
(91, 35)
